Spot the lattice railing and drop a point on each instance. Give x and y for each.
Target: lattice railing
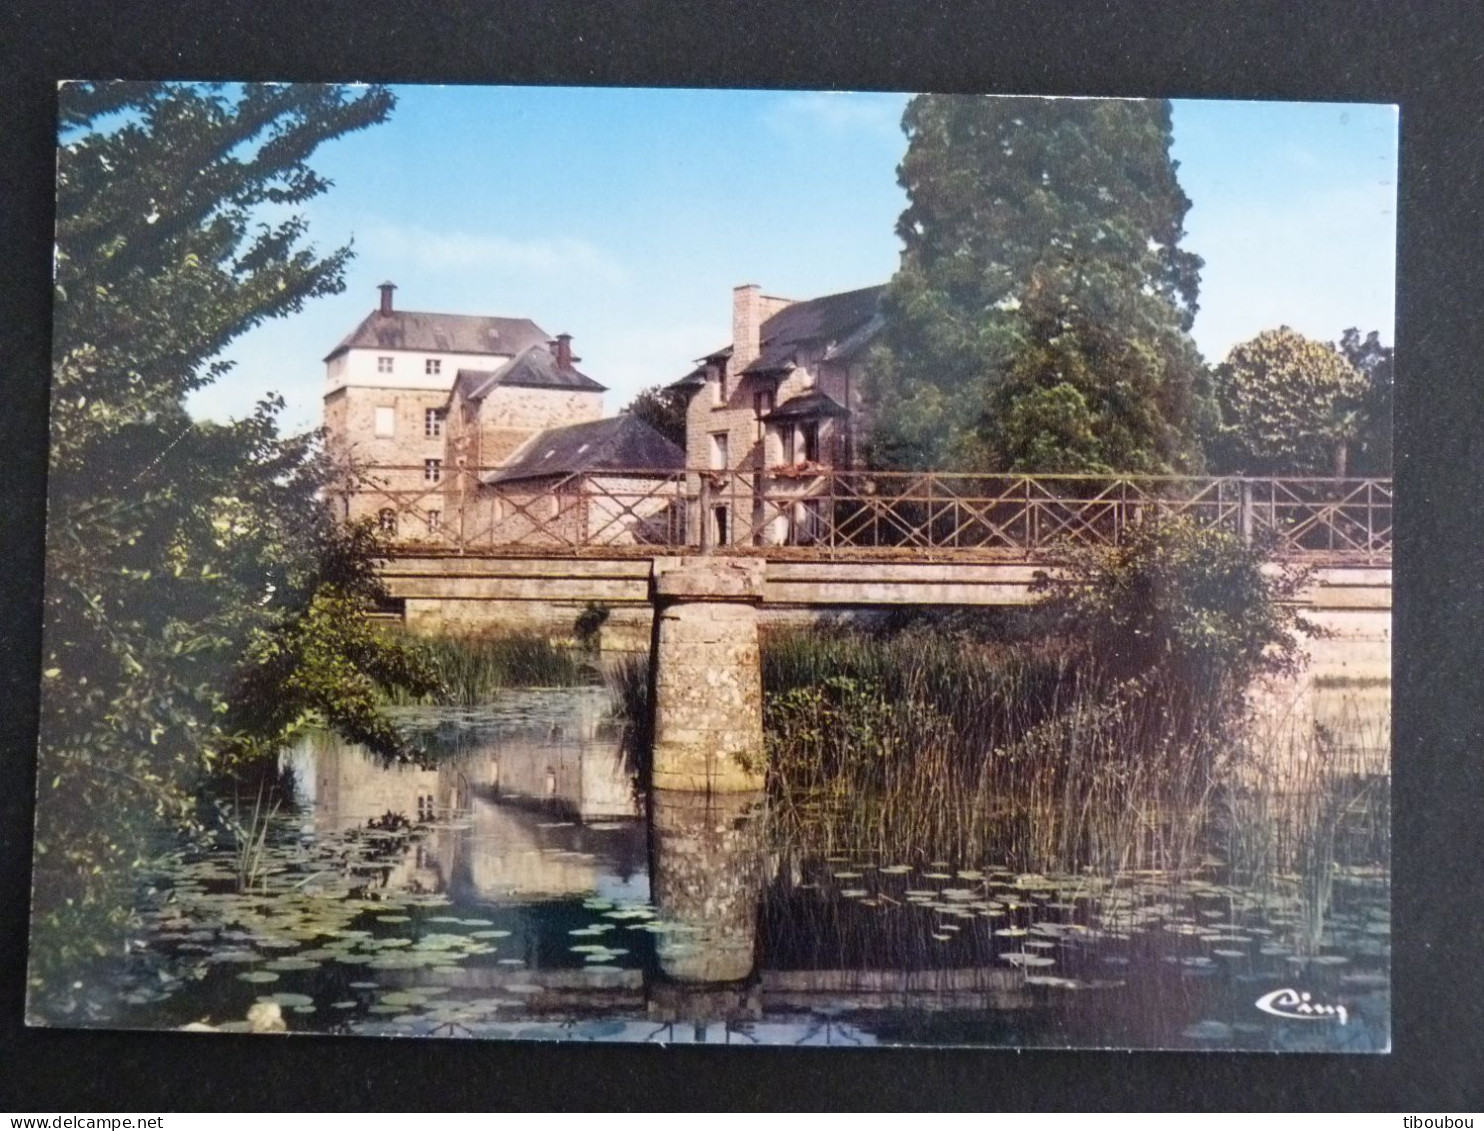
(816, 512)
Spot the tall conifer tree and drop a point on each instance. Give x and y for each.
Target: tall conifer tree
(1040, 317)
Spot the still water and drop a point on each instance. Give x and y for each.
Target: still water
(521, 888)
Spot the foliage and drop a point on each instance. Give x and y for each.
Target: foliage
(1375, 362)
(588, 626)
(325, 660)
(1185, 609)
(663, 409)
(1289, 406)
(174, 547)
(1040, 317)
(472, 667)
(978, 752)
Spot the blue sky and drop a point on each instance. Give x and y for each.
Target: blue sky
(625, 217)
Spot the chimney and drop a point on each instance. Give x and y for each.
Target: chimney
(747, 325)
(386, 290)
(564, 351)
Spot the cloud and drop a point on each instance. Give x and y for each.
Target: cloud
(838, 112)
(544, 256)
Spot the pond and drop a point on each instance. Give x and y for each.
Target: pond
(520, 887)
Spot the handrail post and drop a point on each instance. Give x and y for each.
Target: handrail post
(704, 502)
(1244, 511)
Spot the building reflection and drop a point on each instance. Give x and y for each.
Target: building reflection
(533, 806)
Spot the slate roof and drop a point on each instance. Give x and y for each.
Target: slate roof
(618, 443)
(532, 368)
(844, 323)
(442, 333)
(806, 406)
(830, 320)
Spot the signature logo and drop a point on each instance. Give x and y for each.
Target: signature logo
(1300, 1006)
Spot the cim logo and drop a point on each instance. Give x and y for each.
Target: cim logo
(1300, 1007)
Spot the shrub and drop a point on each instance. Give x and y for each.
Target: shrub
(1179, 606)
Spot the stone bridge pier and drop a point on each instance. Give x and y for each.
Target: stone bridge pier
(706, 675)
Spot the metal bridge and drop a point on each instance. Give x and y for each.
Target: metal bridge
(811, 513)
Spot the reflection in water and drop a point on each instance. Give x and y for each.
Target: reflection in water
(510, 888)
(706, 872)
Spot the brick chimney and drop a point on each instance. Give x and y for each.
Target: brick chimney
(747, 325)
(564, 351)
(386, 290)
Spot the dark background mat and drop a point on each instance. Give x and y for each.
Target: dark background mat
(1427, 56)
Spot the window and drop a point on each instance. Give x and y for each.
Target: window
(809, 432)
(762, 404)
(387, 520)
(432, 470)
(433, 366)
(432, 422)
(383, 365)
(718, 388)
(386, 420)
(788, 444)
(718, 451)
(435, 521)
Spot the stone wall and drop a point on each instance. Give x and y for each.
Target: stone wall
(350, 425)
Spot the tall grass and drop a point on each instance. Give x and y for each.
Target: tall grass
(475, 667)
(916, 747)
(920, 748)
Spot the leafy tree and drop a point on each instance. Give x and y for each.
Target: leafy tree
(1289, 405)
(175, 548)
(663, 410)
(1374, 362)
(1040, 317)
(1188, 611)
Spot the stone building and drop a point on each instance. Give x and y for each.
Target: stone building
(609, 482)
(482, 430)
(389, 384)
(781, 400)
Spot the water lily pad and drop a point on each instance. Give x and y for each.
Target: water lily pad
(344, 1004)
(257, 976)
(1021, 958)
(393, 918)
(288, 999)
(403, 998)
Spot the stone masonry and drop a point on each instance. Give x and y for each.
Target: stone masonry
(707, 676)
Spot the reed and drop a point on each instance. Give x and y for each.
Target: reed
(475, 667)
(915, 747)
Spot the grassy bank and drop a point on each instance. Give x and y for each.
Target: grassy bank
(475, 667)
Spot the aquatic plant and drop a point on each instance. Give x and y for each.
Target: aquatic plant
(474, 667)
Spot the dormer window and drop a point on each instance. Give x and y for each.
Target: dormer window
(383, 364)
(433, 366)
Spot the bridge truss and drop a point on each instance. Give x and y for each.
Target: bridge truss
(817, 513)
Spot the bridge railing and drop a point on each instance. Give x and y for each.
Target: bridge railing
(811, 511)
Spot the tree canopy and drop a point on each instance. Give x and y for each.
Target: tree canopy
(178, 549)
(663, 410)
(1375, 363)
(1040, 316)
(1289, 406)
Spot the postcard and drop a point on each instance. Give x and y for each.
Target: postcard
(753, 567)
